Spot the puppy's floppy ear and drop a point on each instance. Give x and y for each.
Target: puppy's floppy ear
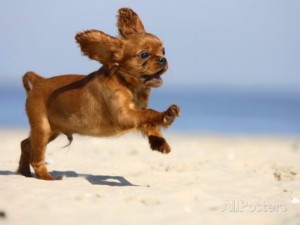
(100, 46)
(129, 22)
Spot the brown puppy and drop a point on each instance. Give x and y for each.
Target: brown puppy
(107, 102)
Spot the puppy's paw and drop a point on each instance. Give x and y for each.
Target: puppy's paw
(24, 171)
(41, 171)
(159, 144)
(170, 114)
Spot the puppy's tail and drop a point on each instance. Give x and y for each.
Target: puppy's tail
(30, 79)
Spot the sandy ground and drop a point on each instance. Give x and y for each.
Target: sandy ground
(207, 179)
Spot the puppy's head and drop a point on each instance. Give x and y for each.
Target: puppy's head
(139, 57)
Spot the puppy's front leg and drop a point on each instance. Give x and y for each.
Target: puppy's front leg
(145, 119)
(149, 122)
(157, 141)
(164, 119)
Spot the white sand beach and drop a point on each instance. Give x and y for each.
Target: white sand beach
(206, 179)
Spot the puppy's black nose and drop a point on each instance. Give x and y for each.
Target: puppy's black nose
(162, 61)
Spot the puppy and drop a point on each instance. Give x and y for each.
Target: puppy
(108, 102)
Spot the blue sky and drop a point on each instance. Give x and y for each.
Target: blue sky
(244, 44)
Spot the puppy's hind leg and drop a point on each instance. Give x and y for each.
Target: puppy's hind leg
(26, 156)
(40, 136)
(25, 159)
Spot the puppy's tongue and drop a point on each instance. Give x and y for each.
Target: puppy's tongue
(150, 77)
(152, 81)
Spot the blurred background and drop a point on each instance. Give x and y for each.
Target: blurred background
(234, 66)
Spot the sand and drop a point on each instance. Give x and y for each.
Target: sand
(206, 179)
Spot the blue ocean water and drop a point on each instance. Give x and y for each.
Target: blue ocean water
(232, 111)
(209, 110)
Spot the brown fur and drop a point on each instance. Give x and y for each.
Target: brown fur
(107, 102)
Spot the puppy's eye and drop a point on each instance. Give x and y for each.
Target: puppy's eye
(144, 54)
(163, 51)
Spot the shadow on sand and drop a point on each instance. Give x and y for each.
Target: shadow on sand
(6, 173)
(93, 179)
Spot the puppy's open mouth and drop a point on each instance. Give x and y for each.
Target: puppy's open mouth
(153, 80)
